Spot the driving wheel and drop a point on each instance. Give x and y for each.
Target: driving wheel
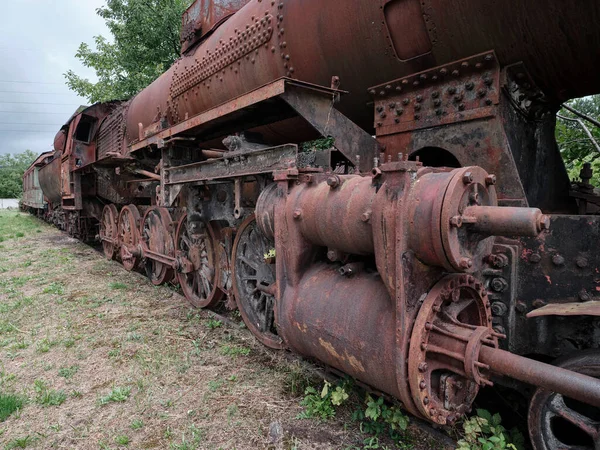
(128, 229)
(559, 422)
(157, 238)
(254, 282)
(199, 271)
(108, 231)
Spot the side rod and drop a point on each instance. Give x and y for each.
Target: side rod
(556, 379)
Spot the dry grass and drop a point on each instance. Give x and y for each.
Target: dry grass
(106, 360)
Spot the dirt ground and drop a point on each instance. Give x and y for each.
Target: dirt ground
(104, 359)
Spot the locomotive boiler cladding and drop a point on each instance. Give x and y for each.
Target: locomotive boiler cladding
(432, 247)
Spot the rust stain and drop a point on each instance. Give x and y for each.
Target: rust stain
(355, 363)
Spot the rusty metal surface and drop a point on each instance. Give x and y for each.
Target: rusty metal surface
(346, 322)
(129, 236)
(202, 16)
(551, 413)
(265, 41)
(198, 272)
(591, 308)
(234, 164)
(50, 179)
(580, 387)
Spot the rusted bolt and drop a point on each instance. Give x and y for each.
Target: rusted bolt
(437, 102)
(521, 307)
(435, 94)
(417, 116)
(405, 101)
(366, 216)
(451, 90)
(544, 222)
(426, 401)
(297, 214)
(498, 260)
(376, 172)
(456, 221)
(417, 107)
(461, 107)
(422, 367)
(392, 105)
(469, 86)
(535, 258)
(581, 262)
(488, 58)
(488, 101)
(466, 263)
(379, 108)
(443, 71)
(399, 111)
(558, 260)
(467, 178)
(419, 98)
(455, 73)
(333, 181)
(584, 295)
(474, 197)
(499, 309)
(498, 284)
(490, 180)
(422, 385)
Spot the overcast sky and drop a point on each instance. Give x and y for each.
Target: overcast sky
(37, 46)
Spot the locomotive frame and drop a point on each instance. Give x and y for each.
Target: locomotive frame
(410, 260)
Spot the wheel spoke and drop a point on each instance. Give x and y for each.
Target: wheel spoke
(589, 426)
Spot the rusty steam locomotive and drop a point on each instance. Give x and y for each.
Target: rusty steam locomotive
(437, 247)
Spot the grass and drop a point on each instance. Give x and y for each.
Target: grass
(46, 396)
(122, 440)
(22, 442)
(9, 403)
(116, 395)
(68, 372)
(125, 361)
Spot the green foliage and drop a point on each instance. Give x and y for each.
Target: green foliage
(485, 432)
(118, 394)
(68, 372)
(575, 146)
(234, 351)
(213, 323)
(322, 404)
(378, 418)
(137, 424)
(317, 144)
(9, 403)
(46, 396)
(145, 43)
(12, 168)
(122, 440)
(22, 442)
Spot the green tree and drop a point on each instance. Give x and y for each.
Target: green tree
(574, 144)
(145, 43)
(12, 168)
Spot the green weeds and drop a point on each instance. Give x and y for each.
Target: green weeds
(116, 395)
(46, 396)
(484, 431)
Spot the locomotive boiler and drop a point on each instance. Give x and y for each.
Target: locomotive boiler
(435, 247)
